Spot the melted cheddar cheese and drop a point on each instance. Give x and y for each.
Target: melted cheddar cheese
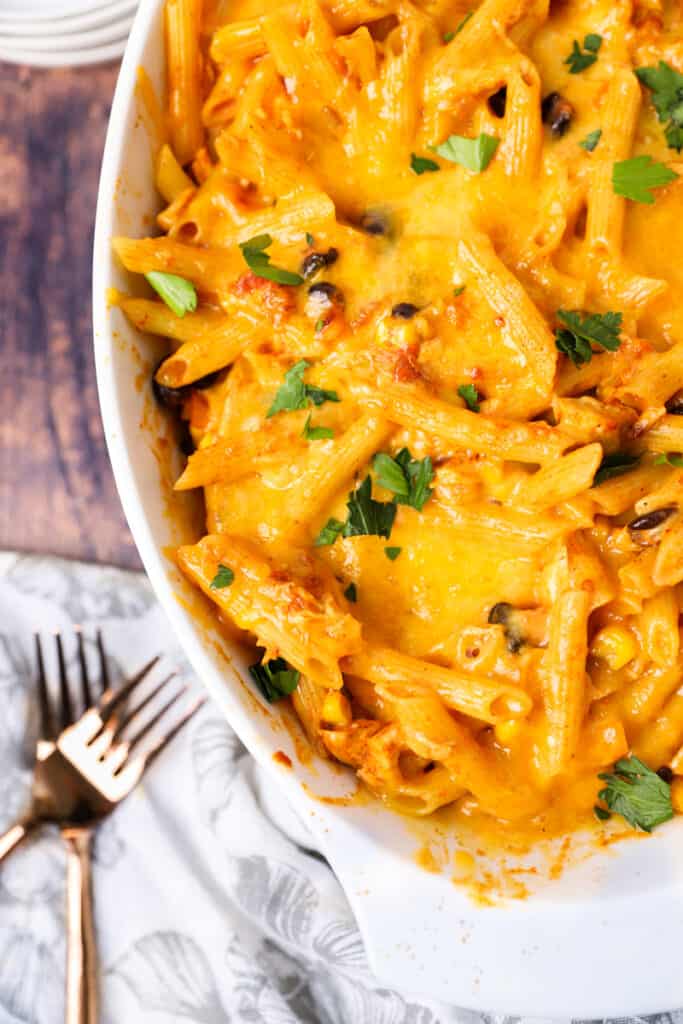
(399, 217)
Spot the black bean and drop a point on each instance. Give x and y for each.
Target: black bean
(675, 405)
(665, 774)
(376, 222)
(326, 294)
(169, 398)
(497, 102)
(652, 519)
(316, 261)
(404, 311)
(185, 441)
(557, 112)
(500, 613)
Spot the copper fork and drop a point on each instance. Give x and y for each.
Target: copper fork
(84, 767)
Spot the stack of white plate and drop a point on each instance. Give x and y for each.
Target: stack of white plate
(64, 33)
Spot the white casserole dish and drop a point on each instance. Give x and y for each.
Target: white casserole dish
(599, 941)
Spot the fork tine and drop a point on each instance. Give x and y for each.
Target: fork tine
(111, 699)
(47, 725)
(66, 716)
(85, 678)
(164, 741)
(148, 726)
(104, 667)
(127, 719)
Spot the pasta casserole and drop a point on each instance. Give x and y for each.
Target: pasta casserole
(417, 273)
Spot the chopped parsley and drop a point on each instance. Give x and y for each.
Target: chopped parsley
(636, 793)
(351, 593)
(581, 58)
(447, 36)
(408, 478)
(459, 290)
(319, 326)
(366, 517)
(460, 26)
(293, 394)
(470, 397)
(223, 578)
(275, 679)
(258, 260)
(635, 178)
(614, 465)
(591, 140)
(316, 433)
(310, 240)
(581, 331)
(332, 529)
(669, 459)
(422, 164)
(474, 154)
(666, 85)
(179, 295)
(392, 553)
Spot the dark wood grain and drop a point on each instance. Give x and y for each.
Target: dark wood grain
(56, 488)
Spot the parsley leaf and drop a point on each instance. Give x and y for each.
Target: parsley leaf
(392, 553)
(459, 290)
(583, 330)
(275, 679)
(635, 178)
(667, 96)
(637, 793)
(179, 295)
(366, 517)
(422, 164)
(332, 529)
(351, 593)
(447, 36)
(223, 578)
(614, 465)
(294, 394)
(591, 140)
(460, 26)
(390, 475)
(258, 260)
(601, 814)
(474, 154)
(316, 433)
(408, 478)
(470, 396)
(580, 59)
(310, 240)
(669, 459)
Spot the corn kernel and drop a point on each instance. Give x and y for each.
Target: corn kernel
(616, 645)
(507, 730)
(677, 795)
(336, 709)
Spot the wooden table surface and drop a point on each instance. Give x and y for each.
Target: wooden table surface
(57, 492)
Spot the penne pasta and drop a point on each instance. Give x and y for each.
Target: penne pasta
(421, 326)
(184, 77)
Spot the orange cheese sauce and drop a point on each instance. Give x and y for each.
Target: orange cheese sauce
(525, 636)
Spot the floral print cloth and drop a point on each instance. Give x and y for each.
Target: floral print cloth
(205, 910)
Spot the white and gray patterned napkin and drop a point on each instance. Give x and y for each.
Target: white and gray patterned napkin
(206, 912)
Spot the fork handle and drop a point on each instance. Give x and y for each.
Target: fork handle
(81, 968)
(14, 836)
